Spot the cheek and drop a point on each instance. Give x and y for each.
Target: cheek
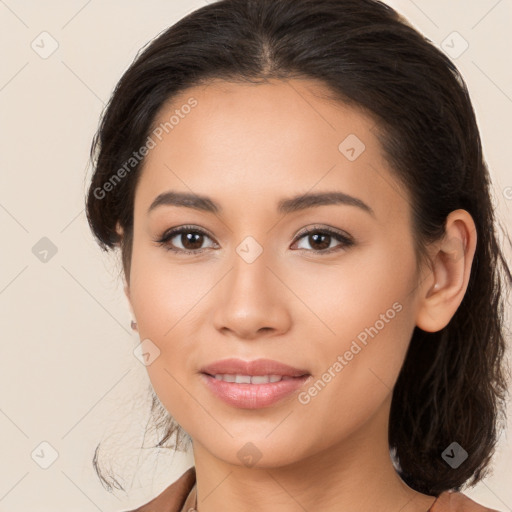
(364, 295)
(363, 326)
(164, 293)
(167, 303)
(357, 368)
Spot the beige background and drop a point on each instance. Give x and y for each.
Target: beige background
(68, 376)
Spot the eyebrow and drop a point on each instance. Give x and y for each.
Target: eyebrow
(289, 205)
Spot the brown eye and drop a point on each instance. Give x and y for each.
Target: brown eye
(191, 241)
(320, 240)
(190, 238)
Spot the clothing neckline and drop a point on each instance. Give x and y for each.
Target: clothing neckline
(190, 504)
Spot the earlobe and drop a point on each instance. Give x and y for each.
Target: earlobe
(127, 293)
(119, 230)
(442, 291)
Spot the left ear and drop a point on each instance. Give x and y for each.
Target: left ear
(442, 291)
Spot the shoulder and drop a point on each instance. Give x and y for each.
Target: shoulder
(172, 498)
(457, 502)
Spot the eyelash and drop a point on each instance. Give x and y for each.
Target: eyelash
(346, 241)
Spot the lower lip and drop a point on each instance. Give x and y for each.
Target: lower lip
(252, 396)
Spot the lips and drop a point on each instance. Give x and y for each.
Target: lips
(252, 384)
(256, 367)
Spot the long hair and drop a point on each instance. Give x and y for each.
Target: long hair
(453, 383)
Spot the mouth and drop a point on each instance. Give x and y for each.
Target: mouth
(255, 368)
(244, 395)
(254, 384)
(252, 379)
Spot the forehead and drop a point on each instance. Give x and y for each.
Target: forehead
(292, 109)
(243, 140)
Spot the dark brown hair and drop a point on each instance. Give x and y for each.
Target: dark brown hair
(453, 384)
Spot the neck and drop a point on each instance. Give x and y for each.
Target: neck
(356, 475)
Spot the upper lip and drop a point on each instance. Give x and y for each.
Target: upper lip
(255, 367)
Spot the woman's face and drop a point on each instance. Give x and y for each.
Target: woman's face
(256, 286)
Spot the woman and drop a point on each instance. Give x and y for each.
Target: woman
(298, 191)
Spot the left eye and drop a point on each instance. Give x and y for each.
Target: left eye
(323, 237)
(192, 240)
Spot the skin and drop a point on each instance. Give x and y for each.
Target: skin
(246, 147)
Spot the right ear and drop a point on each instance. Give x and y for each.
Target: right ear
(127, 293)
(120, 232)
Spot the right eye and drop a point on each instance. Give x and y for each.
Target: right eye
(190, 237)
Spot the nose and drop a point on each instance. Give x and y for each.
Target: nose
(252, 301)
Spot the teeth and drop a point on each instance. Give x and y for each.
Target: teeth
(251, 379)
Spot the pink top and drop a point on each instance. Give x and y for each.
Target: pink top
(181, 497)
